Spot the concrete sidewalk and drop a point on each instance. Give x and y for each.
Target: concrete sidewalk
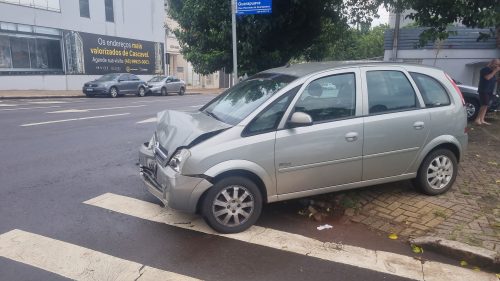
(78, 94)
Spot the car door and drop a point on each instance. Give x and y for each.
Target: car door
(396, 123)
(170, 84)
(135, 82)
(327, 153)
(124, 85)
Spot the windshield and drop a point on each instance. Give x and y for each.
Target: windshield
(108, 77)
(157, 79)
(241, 100)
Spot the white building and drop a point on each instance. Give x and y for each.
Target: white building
(461, 55)
(60, 44)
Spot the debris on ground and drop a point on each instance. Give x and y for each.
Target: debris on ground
(325, 226)
(417, 249)
(463, 263)
(393, 236)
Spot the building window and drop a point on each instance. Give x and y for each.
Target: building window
(108, 5)
(84, 9)
(30, 53)
(50, 5)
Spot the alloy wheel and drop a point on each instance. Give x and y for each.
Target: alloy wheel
(233, 206)
(440, 172)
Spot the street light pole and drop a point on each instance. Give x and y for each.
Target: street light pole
(235, 61)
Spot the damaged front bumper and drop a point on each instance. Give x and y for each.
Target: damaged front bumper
(173, 189)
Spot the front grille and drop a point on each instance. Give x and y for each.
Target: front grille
(161, 154)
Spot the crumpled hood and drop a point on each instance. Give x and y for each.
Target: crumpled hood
(176, 128)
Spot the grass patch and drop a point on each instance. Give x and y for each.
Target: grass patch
(439, 213)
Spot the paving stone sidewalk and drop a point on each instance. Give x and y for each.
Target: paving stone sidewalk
(468, 213)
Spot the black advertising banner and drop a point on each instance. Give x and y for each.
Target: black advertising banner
(100, 54)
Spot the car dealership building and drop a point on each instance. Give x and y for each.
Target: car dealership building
(60, 44)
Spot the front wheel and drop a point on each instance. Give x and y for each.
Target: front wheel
(232, 205)
(113, 92)
(182, 91)
(142, 92)
(437, 172)
(164, 91)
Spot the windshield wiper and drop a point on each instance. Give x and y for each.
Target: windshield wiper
(213, 115)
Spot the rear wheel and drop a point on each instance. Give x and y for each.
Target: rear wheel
(437, 172)
(232, 205)
(472, 107)
(113, 92)
(182, 91)
(164, 91)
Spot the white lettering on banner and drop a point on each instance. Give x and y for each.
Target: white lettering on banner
(248, 3)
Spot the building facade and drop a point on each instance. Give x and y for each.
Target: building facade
(461, 55)
(60, 44)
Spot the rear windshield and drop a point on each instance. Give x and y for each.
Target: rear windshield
(239, 101)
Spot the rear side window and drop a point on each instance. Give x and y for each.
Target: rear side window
(432, 91)
(389, 90)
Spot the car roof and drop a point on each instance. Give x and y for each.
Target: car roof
(302, 69)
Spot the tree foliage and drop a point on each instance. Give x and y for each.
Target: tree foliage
(439, 15)
(293, 30)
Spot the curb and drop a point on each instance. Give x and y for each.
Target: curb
(461, 251)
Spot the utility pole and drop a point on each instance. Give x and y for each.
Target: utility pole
(395, 37)
(235, 54)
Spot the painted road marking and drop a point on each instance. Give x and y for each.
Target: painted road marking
(380, 261)
(47, 102)
(150, 120)
(94, 109)
(26, 108)
(7, 105)
(75, 262)
(151, 101)
(199, 105)
(73, 119)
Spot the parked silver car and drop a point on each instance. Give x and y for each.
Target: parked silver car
(114, 85)
(166, 84)
(287, 133)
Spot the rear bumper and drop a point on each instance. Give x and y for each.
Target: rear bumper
(171, 188)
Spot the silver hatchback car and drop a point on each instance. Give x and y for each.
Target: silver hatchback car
(303, 130)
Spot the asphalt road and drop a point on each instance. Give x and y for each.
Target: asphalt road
(58, 153)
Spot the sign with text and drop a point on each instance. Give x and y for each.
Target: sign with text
(103, 54)
(252, 7)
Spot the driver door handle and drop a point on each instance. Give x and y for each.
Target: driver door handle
(352, 136)
(419, 125)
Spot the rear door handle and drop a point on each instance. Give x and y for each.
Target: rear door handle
(419, 125)
(352, 136)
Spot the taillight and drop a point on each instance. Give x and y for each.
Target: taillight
(456, 88)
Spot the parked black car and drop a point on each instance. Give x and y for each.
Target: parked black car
(471, 98)
(115, 84)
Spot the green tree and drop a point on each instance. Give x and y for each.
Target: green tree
(438, 15)
(354, 44)
(295, 29)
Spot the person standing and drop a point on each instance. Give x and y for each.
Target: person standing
(487, 82)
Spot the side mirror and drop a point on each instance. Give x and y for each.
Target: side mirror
(300, 119)
(120, 80)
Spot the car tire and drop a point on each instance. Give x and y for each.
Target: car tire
(164, 91)
(232, 205)
(182, 91)
(472, 107)
(437, 173)
(142, 92)
(113, 92)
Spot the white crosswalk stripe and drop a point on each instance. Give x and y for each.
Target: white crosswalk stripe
(380, 261)
(75, 262)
